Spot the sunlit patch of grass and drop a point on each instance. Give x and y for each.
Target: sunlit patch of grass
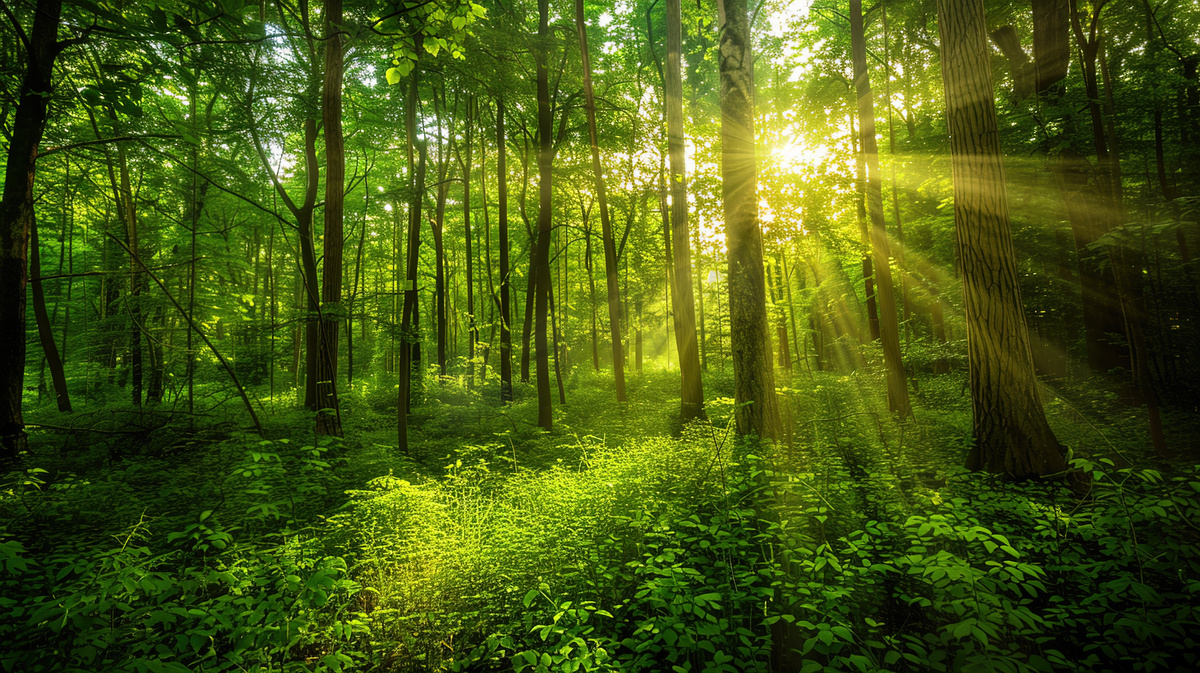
(452, 558)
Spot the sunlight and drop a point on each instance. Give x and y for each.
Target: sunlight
(795, 155)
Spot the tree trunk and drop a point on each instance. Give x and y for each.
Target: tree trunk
(610, 251)
(889, 328)
(355, 291)
(1011, 434)
(16, 218)
(541, 254)
(408, 338)
(439, 250)
(136, 281)
(757, 409)
(308, 266)
(587, 265)
(45, 330)
(531, 274)
(860, 202)
(672, 297)
(506, 392)
(472, 324)
(692, 402)
(329, 415)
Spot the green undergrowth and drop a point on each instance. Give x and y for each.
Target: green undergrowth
(621, 542)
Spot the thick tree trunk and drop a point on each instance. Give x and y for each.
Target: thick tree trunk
(329, 415)
(610, 251)
(692, 392)
(889, 328)
(1011, 434)
(541, 254)
(506, 392)
(16, 218)
(753, 376)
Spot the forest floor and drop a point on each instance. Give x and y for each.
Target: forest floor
(147, 540)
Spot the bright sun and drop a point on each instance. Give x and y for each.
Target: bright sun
(795, 156)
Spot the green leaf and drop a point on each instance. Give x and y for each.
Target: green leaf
(529, 596)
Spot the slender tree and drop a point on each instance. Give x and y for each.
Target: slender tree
(692, 397)
(541, 252)
(753, 375)
(506, 391)
(408, 336)
(45, 329)
(889, 327)
(329, 418)
(610, 252)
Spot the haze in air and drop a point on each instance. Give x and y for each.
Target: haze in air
(634, 336)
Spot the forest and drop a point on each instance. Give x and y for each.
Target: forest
(630, 335)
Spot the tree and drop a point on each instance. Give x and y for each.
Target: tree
(610, 251)
(506, 392)
(42, 47)
(1011, 435)
(408, 336)
(329, 420)
(753, 375)
(692, 399)
(889, 328)
(45, 330)
(541, 252)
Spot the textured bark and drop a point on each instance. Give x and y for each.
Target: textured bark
(753, 376)
(329, 418)
(16, 218)
(506, 392)
(692, 392)
(1011, 434)
(889, 328)
(610, 250)
(545, 158)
